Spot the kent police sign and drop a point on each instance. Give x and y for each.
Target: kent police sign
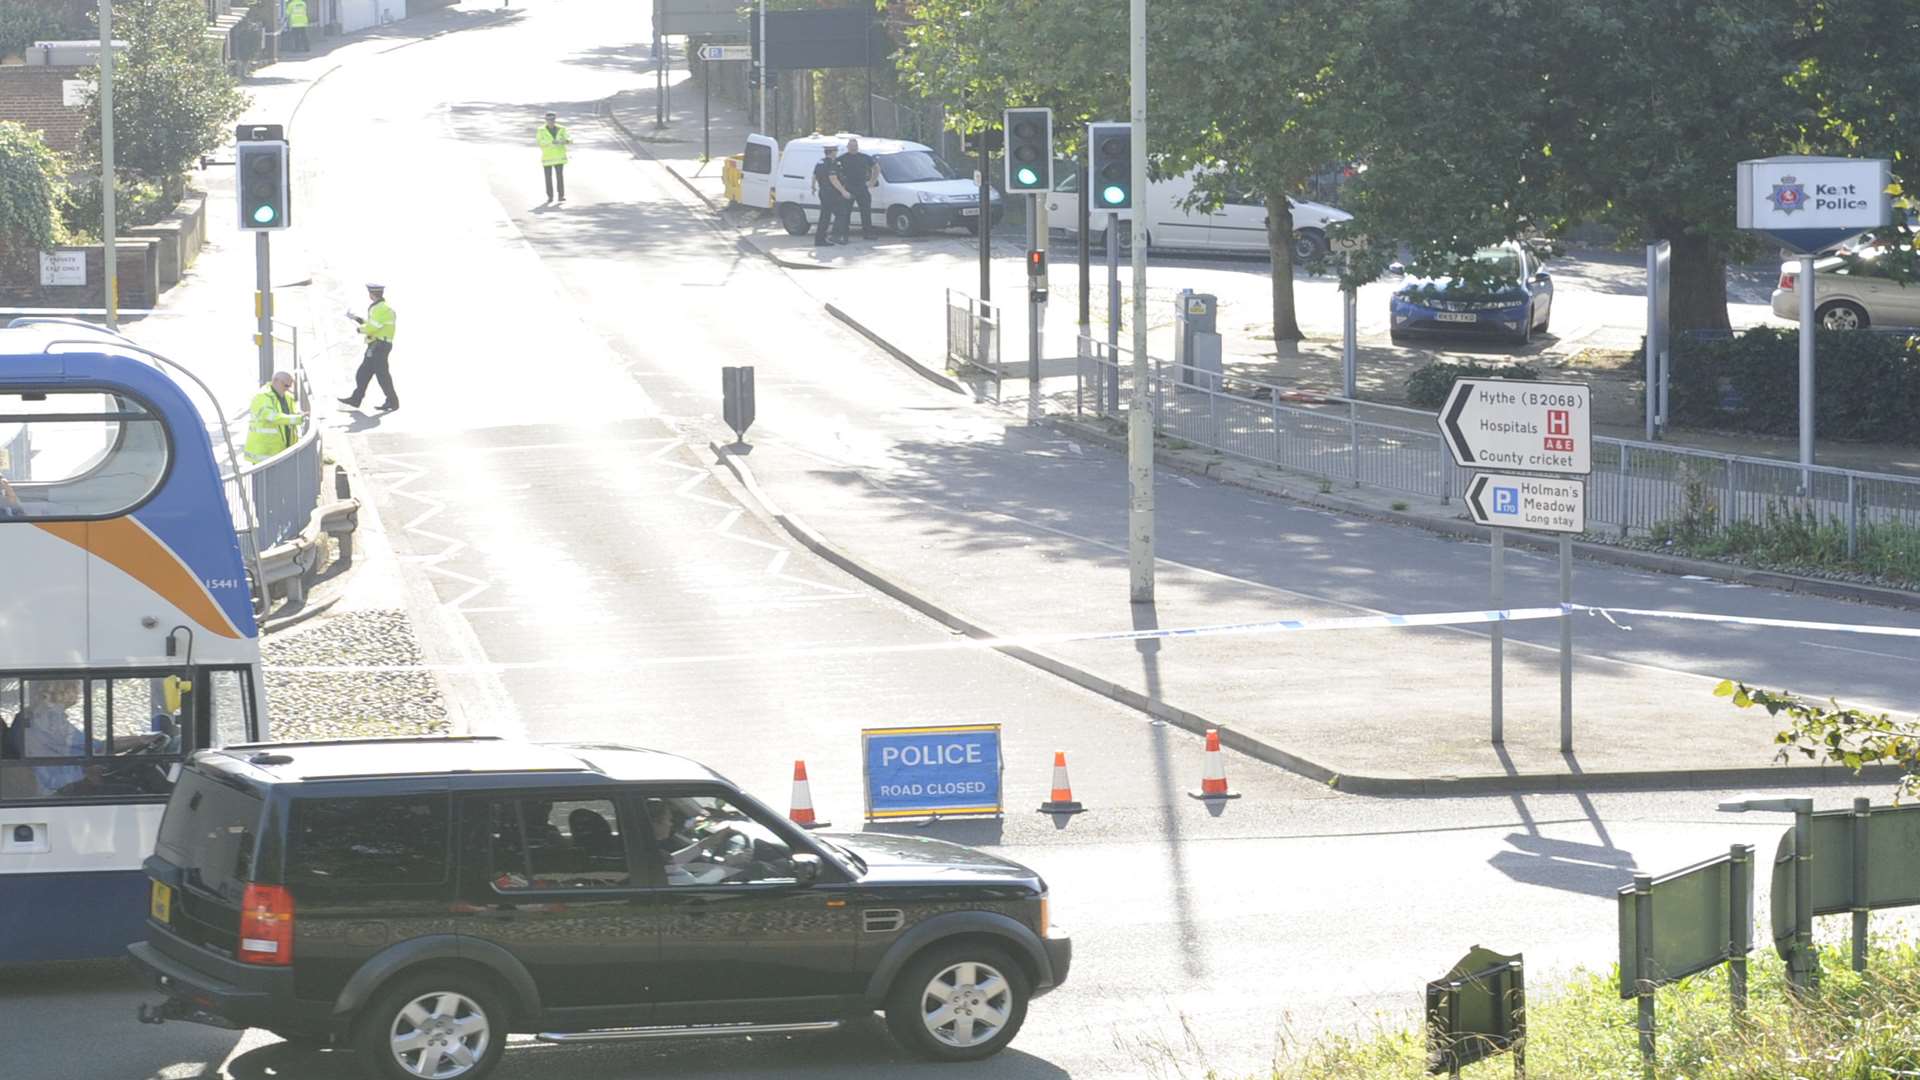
(1812, 203)
(932, 771)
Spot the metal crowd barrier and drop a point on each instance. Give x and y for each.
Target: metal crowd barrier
(1635, 486)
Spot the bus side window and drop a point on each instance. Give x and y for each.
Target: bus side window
(231, 708)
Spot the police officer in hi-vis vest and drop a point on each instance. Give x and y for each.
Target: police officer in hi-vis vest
(553, 140)
(377, 328)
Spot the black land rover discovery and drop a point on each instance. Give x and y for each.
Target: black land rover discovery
(419, 899)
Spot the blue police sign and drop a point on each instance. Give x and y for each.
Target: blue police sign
(932, 771)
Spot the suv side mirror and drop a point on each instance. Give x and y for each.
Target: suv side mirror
(806, 868)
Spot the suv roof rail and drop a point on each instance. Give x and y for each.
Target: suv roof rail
(371, 740)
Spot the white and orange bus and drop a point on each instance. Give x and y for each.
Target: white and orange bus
(127, 630)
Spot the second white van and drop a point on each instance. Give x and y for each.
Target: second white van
(1240, 223)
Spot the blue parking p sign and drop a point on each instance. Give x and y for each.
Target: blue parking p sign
(929, 771)
(1506, 500)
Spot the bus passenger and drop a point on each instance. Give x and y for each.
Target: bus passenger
(54, 731)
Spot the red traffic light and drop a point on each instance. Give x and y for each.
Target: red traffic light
(1036, 263)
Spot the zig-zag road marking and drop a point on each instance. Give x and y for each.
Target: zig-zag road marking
(452, 547)
(779, 554)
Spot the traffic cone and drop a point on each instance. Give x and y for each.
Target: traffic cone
(1213, 778)
(802, 812)
(1061, 801)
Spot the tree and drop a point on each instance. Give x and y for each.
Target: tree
(23, 22)
(30, 192)
(1851, 738)
(172, 96)
(1256, 104)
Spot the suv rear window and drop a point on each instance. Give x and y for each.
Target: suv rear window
(210, 830)
(389, 840)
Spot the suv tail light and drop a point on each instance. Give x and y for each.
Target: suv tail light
(1786, 281)
(266, 926)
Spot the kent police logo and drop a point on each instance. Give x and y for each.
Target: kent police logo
(1788, 195)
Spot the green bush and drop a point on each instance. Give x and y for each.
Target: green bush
(139, 203)
(31, 192)
(1429, 386)
(1867, 386)
(1858, 1027)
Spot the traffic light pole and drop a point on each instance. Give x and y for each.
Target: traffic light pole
(1140, 409)
(986, 222)
(1113, 313)
(263, 302)
(1036, 307)
(1086, 223)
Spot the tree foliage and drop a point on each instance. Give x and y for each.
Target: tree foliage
(30, 191)
(23, 22)
(173, 98)
(1851, 738)
(1478, 121)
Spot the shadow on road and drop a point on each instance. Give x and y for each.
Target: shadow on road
(861, 1049)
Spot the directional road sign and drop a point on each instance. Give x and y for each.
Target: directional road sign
(1545, 503)
(1538, 427)
(726, 52)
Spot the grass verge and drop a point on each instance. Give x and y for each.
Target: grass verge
(1858, 1027)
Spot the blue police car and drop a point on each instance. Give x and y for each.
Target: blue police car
(1520, 304)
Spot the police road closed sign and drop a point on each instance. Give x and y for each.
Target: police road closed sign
(1543, 503)
(1530, 426)
(928, 771)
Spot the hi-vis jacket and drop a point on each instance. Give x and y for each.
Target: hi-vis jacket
(553, 144)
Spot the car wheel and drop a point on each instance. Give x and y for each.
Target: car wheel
(1308, 244)
(1397, 337)
(1841, 315)
(793, 219)
(902, 222)
(958, 1002)
(1524, 336)
(1546, 320)
(432, 1026)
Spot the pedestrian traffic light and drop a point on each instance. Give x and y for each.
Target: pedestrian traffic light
(261, 181)
(1029, 149)
(1110, 166)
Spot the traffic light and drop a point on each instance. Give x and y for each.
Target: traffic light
(1037, 275)
(1029, 134)
(1110, 166)
(265, 197)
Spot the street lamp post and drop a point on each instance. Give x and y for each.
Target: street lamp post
(110, 280)
(1140, 408)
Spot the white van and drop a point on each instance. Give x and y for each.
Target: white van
(1240, 224)
(917, 190)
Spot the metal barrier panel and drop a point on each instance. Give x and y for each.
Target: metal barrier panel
(1636, 487)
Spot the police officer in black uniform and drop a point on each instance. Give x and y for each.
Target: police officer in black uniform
(858, 175)
(833, 200)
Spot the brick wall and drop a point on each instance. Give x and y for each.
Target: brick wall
(139, 261)
(31, 96)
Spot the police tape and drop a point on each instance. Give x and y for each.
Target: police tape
(1745, 620)
(1268, 626)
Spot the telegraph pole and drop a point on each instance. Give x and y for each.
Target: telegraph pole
(111, 280)
(1140, 409)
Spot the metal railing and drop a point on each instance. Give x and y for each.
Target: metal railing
(973, 342)
(1635, 486)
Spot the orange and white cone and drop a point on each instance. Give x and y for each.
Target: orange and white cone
(1213, 778)
(802, 812)
(1061, 802)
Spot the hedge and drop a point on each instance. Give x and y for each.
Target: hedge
(1428, 387)
(1867, 383)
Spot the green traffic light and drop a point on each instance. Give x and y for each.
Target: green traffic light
(263, 215)
(1026, 176)
(1113, 194)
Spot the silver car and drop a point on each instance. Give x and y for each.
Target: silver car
(1849, 297)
